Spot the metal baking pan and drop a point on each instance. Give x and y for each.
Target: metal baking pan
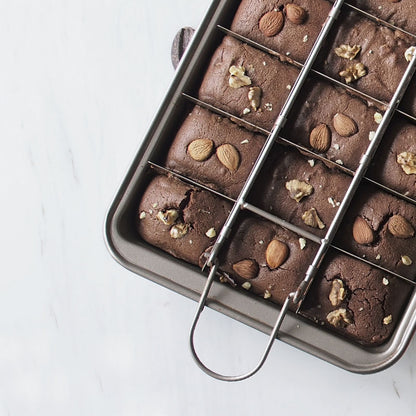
(134, 254)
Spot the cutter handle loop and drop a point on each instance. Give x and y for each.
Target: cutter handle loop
(272, 336)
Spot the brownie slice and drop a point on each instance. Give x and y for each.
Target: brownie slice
(180, 219)
(381, 228)
(198, 145)
(292, 185)
(257, 20)
(356, 300)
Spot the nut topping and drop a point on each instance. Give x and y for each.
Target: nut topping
(345, 126)
(409, 52)
(338, 292)
(247, 269)
(320, 138)
(168, 217)
(407, 261)
(237, 77)
(388, 320)
(362, 232)
(276, 254)
(298, 189)
(228, 155)
(272, 23)
(200, 149)
(347, 51)
(339, 318)
(407, 161)
(400, 227)
(254, 97)
(312, 219)
(179, 231)
(211, 233)
(295, 13)
(354, 72)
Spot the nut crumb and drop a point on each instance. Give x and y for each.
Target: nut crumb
(385, 281)
(407, 261)
(378, 257)
(378, 117)
(336, 146)
(268, 106)
(409, 53)
(261, 242)
(339, 161)
(244, 142)
(332, 202)
(142, 215)
(302, 243)
(246, 111)
(155, 205)
(288, 87)
(371, 135)
(246, 285)
(211, 233)
(305, 39)
(311, 163)
(388, 320)
(267, 294)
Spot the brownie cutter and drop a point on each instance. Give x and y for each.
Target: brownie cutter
(188, 281)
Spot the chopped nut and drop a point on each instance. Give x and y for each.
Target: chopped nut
(337, 293)
(407, 161)
(332, 202)
(407, 261)
(228, 156)
(295, 13)
(339, 318)
(371, 135)
(312, 219)
(305, 39)
(211, 233)
(267, 294)
(311, 163)
(378, 257)
(246, 111)
(344, 125)
(168, 217)
(244, 141)
(339, 162)
(238, 78)
(362, 232)
(302, 243)
(271, 23)
(142, 215)
(246, 285)
(288, 87)
(399, 227)
(388, 320)
(298, 189)
(155, 205)
(320, 138)
(385, 281)
(409, 53)
(268, 106)
(247, 269)
(378, 118)
(277, 253)
(200, 149)
(254, 97)
(179, 231)
(354, 72)
(347, 51)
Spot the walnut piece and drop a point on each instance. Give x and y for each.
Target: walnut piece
(298, 189)
(179, 231)
(312, 219)
(347, 51)
(339, 318)
(168, 217)
(237, 77)
(353, 72)
(338, 292)
(407, 161)
(254, 97)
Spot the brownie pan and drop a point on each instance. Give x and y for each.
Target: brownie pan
(127, 248)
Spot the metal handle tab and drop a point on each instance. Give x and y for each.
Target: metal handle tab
(266, 352)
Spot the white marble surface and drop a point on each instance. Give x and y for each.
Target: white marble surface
(79, 335)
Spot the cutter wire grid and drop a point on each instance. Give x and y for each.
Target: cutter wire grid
(295, 298)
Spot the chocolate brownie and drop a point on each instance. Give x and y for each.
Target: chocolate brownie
(180, 219)
(395, 162)
(237, 72)
(288, 28)
(368, 56)
(199, 145)
(265, 258)
(296, 188)
(381, 228)
(355, 299)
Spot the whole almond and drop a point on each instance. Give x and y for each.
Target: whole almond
(247, 269)
(228, 155)
(295, 13)
(345, 126)
(362, 232)
(320, 138)
(200, 149)
(272, 23)
(276, 254)
(400, 227)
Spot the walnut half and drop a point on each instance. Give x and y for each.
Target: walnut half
(354, 72)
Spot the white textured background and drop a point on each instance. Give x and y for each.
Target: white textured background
(80, 82)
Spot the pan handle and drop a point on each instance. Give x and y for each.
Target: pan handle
(272, 336)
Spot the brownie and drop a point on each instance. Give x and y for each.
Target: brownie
(395, 162)
(399, 13)
(296, 37)
(355, 299)
(250, 241)
(380, 227)
(263, 73)
(380, 52)
(185, 157)
(291, 185)
(180, 219)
